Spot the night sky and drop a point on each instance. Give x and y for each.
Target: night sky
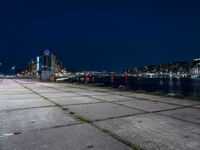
(99, 35)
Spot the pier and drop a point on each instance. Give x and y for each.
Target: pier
(56, 116)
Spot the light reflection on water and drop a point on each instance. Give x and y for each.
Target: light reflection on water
(161, 82)
(182, 86)
(174, 86)
(185, 87)
(171, 86)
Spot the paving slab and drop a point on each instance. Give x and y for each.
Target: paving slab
(2, 87)
(170, 100)
(33, 119)
(134, 94)
(112, 98)
(73, 90)
(102, 110)
(22, 104)
(14, 91)
(35, 86)
(80, 88)
(10, 93)
(47, 90)
(19, 96)
(11, 89)
(182, 102)
(148, 105)
(77, 137)
(155, 132)
(73, 100)
(104, 89)
(188, 114)
(49, 95)
(91, 93)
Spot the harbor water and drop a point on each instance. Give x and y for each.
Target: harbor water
(187, 87)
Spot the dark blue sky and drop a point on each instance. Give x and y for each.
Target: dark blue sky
(100, 35)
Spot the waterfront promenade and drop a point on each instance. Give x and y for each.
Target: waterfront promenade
(54, 116)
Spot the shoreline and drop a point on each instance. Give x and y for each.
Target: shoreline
(156, 93)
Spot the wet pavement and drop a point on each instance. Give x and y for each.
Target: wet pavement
(54, 116)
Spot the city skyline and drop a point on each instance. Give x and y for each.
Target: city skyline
(34, 60)
(47, 61)
(99, 36)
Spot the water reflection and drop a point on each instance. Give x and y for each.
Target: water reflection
(181, 86)
(171, 86)
(161, 82)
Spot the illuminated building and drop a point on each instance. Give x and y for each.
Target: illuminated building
(195, 68)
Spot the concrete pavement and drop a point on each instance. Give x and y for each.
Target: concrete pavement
(38, 116)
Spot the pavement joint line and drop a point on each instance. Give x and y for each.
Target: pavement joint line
(172, 103)
(56, 104)
(178, 118)
(58, 96)
(75, 88)
(103, 101)
(91, 122)
(107, 101)
(180, 107)
(122, 140)
(75, 116)
(119, 138)
(64, 90)
(146, 112)
(90, 96)
(109, 118)
(157, 111)
(44, 98)
(80, 95)
(23, 94)
(154, 100)
(65, 87)
(118, 117)
(21, 99)
(40, 129)
(113, 102)
(8, 110)
(84, 86)
(84, 89)
(139, 98)
(82, 103)
(49, 92)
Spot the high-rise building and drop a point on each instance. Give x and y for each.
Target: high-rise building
(32, 67)
(46, 65)
(46, 60)
(53, 62)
